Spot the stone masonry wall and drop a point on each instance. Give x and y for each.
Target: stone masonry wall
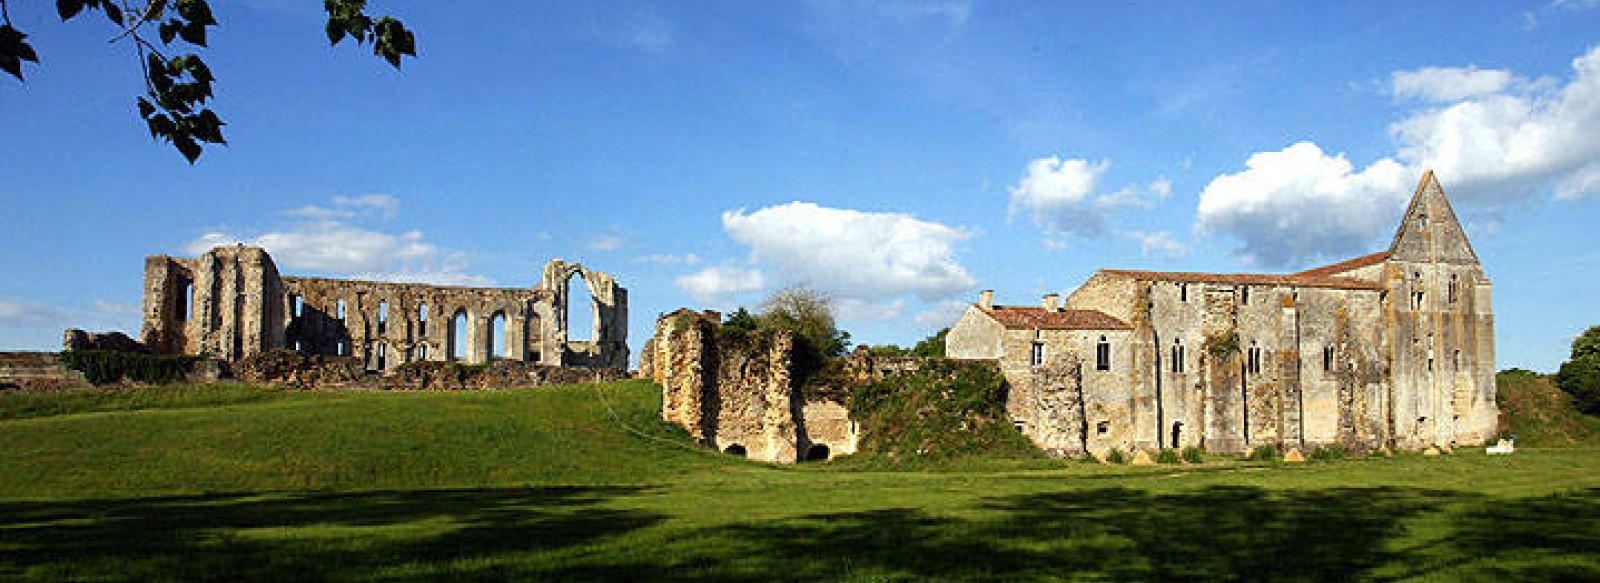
(737, 394)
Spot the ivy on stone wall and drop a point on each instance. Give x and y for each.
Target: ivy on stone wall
(105, 366)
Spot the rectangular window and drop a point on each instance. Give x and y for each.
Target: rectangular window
(1183, 292)
(1252, 360)
(1102, 355)
(1037, 357)
(1244, 295)
(1327, 358)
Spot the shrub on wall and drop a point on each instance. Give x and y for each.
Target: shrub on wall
(104, 366)
(947, 409)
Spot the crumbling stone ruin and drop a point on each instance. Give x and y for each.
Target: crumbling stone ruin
(738, 393)
(1389, 350)
(231, 303)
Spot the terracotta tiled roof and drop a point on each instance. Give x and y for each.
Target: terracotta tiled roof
(1246, 279)
(1033, 317)
(1346, 265)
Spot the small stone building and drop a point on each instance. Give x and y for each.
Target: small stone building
(1392, 349)
(231, 303)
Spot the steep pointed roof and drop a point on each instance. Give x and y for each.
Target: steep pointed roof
(1429, 230)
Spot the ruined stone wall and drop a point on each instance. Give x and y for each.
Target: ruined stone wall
(230, 302)
(37, 371)
(385, 325)
(738, 394)
(224, 303)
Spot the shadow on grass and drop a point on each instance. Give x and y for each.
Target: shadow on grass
(1219, 533)
(394, 536)
(1116, 534)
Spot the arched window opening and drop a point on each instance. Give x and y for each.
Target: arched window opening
(338, 349)
(496, 338)
(299, 306)
(1036, 358)
(1177, 430)
(735, 449)
(422, 319)
(339, 309)
(383, 316)
(382, 356)
(817, 453)
(580, 313)
(1102, 355)
(422, 352)
(457, 347)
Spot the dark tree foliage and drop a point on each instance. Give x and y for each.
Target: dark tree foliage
(178, 82)
(742, 320)
(809, 314)
(932, 346)
(1580, 376)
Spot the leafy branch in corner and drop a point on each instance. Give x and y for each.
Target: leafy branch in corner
(177, 87)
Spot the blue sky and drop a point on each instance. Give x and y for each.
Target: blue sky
(899, 155)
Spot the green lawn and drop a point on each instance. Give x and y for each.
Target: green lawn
(236, 483)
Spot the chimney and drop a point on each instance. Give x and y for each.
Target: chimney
(1049, 302)
(986, 299)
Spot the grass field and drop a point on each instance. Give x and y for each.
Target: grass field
(582, 483)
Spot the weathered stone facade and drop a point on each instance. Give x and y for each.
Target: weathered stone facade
(738, 394)
(1393, 349)
(231, 303)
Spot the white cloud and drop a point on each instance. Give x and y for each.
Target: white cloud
(116, 309)
(329, 240)
(1059, 196)
(1159, 243)
(669, 259)
(942, 314)
(605, 243)
(1497, 140)
(1439, 84)
(22, 313)
(857, 310)
(1299, 203)
(854, 254)
(349, 207)
(714, 284)
(1575, 4)
(1507, 145)
(443, 277)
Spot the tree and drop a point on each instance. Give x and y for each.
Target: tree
(932, 346)
(1580, 376)
(177, 87)
(809, 314)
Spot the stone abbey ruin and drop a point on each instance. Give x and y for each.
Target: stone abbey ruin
(231, 303)
(1389, 350)
(1393, 349)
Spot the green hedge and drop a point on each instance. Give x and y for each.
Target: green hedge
(107, 366)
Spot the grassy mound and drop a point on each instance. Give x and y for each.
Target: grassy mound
(235, 439)
(945, 412)
(1539, 414)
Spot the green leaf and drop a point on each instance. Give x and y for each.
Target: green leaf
(335, 30)
(69, 8)
(112, 12)
(169, 30)
(208, 127)
(194, 33)
(187, 146)
(14, 49)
